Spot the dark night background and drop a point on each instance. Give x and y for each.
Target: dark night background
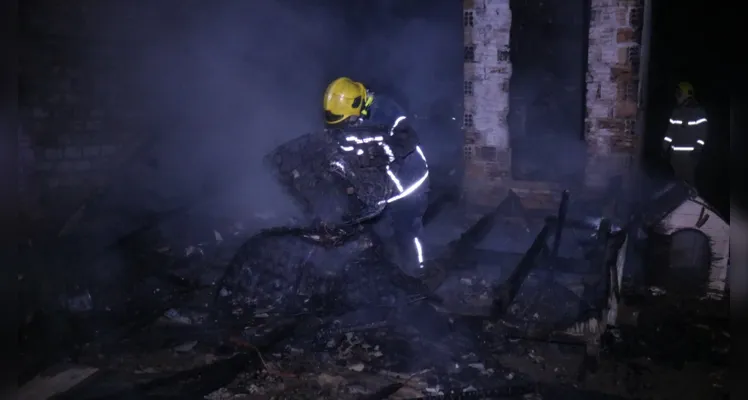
(683, 48)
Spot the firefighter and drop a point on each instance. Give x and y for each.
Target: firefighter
(348, 103)
(686, 134)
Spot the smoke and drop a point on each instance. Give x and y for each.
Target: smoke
(547, 91)
(211, 88)
(216, 86)
(413, 52)
(204, 91)
(417, 56)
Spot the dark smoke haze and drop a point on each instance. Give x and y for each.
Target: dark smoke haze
(220, 84)
(547, 89)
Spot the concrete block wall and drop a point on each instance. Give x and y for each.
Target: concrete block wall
(72, 117)
(487, 72)
(612, 89)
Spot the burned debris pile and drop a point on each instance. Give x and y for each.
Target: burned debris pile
(314, 309)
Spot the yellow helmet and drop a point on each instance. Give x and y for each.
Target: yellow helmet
(684, 92)
(344, 99)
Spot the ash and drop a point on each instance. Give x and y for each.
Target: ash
(288, 319)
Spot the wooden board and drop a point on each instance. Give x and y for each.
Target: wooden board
(53, 382)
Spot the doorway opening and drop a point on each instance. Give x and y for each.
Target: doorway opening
(548, 50)
(690, 259)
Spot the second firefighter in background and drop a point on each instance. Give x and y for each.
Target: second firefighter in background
(686, 134)
(349, 103)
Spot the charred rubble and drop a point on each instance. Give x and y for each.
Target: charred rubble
(312, 308)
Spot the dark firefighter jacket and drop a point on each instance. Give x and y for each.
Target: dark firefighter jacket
(388, 135)
(687, 130)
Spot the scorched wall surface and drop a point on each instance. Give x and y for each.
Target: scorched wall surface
(611, 100)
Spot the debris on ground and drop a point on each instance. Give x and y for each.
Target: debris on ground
(319, 312)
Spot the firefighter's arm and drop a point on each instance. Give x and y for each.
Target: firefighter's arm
(667, 140)
(700, 136)
(675, 123)
(698, 126)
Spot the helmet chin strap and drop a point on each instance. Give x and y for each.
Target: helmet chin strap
(367, 105)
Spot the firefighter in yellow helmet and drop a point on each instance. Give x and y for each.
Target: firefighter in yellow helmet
(348, 103)
(686, 133)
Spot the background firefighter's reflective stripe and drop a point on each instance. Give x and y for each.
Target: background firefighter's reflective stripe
(670, 140)
(682, 148)
(689, 123)
(685, 133)
(696, 122)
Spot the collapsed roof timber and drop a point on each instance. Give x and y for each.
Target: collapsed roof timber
(297, 310)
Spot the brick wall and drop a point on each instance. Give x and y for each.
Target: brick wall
(73, 120)
(611, 101)
(612, 88)
(486, 74)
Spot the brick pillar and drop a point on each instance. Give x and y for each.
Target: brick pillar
(486, 99)
(612, 89)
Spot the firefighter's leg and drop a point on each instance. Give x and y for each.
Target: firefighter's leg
(684, 166)
(407, 225)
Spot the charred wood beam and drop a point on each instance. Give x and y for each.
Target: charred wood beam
(435, 207)
(385, 392)
(571, 223)
(478, 231)
(602, 255)
(512, 206)
(56, 381)
(509, 260)
(465, 244)
(475, 233)
(197, 382)
(189, 384)
(460, 251)
(547, 336)
(522, 389)
(562, 210)
(615, 244)
(505, 293)
(601, 291)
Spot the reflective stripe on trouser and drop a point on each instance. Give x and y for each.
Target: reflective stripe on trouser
(405, 218)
